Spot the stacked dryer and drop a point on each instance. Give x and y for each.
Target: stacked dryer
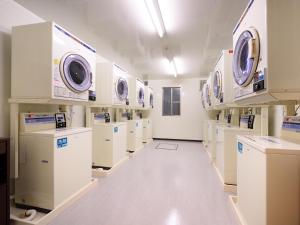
(149, 98)
(266, 52)
(222, 81)
(60, 67)
(138, 92)
(112, 85)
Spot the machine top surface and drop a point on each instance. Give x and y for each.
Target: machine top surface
(59, 132)
(268, 144)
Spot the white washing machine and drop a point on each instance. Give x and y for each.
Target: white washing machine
(223, 81)
(268, 180)
(148, 97)
(48, 62)
(134, 135)
(109, 142)
(226, 157)
(54, 164)
(266, 52)
(147, 130)
(211, 138)
(112, 84)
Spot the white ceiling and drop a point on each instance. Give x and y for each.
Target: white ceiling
(121, 31)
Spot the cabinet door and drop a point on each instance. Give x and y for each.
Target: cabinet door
(252, 185)
(72, 165)
(131, 135)
(220, 151)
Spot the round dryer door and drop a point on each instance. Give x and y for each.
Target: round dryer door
(217, 84)
(151, 100)
(141, 96)
(207, 95)
(122, 89)
(246, 57)
(76, 72)
(202, 99)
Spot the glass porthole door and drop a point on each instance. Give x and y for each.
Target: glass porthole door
(141, 96)
(207, 95)
(76, 73)
(151, 100)
(217, 85)
(246, 57)
(122, 89)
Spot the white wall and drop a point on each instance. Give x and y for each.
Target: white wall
(189, 124)
(11, 14)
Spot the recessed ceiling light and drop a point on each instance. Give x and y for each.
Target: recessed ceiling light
(155, 14)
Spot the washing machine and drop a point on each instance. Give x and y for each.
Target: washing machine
(138, 94)
(268, 180)
(54, 164)
(226, 157)
(266, 52)
(134, 135)
(211, 138)
(223, 81)
(147, 131)
(55, 62)
(109, 142)
(112, 84)
(148, 97)
(205, 134)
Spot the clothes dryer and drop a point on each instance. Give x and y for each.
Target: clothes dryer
(149, 97)
(112, 84)
(266, 52)
(138, 94)
(223, 81)
(48, 63)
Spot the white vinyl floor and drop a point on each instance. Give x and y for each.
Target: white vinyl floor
(156, 187)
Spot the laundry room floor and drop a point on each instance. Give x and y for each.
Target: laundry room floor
(166, 183)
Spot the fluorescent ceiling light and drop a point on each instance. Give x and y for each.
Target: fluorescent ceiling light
(155, 14)
(173, 67)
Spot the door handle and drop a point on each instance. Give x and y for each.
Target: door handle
(107, 139)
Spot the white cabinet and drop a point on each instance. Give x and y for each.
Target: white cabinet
(147, 130)
(54, 165)
(109, 144)
(226, 156)
(134, 135)
(268, 181)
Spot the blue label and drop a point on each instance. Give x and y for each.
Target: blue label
(240, 147)
(261, 76)
(116, 129)
(62, 142)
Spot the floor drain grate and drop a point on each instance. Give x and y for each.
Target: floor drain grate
(167, 146)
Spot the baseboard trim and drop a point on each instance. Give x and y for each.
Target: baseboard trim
(170, 139)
